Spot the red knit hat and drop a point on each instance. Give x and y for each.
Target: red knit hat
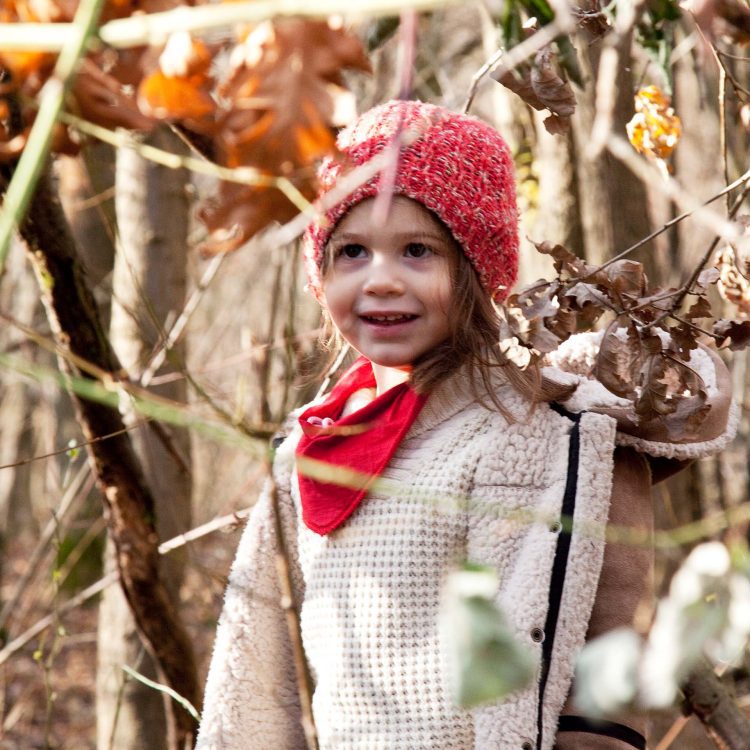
(457, 166)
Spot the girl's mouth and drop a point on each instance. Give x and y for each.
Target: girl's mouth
(388, 320)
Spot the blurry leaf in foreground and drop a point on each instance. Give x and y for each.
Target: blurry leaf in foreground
(707, 612)
(607, 672)
(654, 129)
(487, 663)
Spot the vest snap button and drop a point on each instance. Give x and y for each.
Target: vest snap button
(555, 527)
(527, 745)
(537, 635)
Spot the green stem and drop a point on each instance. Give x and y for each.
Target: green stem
(34, 155)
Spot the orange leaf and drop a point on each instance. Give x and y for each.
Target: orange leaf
(654, 129)
(179, 88)
(278, 113)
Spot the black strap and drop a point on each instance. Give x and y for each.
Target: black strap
(560, 564)
(606, 728)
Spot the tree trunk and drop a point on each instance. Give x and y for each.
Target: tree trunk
(148, 290)
(129, 504)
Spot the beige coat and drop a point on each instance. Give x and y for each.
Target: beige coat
(463, 484)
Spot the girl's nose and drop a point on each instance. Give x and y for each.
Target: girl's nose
(383, 278)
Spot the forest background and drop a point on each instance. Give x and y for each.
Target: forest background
(156, 278)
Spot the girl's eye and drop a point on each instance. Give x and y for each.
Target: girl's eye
(351, 251)
(417, 250)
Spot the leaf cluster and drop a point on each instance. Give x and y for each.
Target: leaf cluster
(266, 97)
(648, 335)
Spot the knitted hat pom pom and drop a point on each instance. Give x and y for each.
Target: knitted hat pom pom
(457, 166)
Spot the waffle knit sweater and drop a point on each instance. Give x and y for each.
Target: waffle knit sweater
(462, 485)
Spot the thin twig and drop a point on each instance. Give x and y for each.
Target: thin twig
(302, 669)
(155, 28)
(240, 175)
(68, 501)
(72, 446)
(179, 325)
(173, 694)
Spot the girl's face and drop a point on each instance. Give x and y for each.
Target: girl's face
(388, 287)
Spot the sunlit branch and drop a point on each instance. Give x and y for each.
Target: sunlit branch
(154, 28)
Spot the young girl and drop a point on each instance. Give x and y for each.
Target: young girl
(473, 459)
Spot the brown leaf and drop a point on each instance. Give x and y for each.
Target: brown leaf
(737, 332)
(277, 113)
(620, 359)
(102, 99)
(541, 86)
(707, 277)
(519, 82)
(701, 308)
(654, 401)
(550, 88)
(683, 340)
(627, 278)
(237, 213)
(565, 261)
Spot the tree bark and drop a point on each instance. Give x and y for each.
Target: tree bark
(708, 698)
(148, 285)
(129, 504)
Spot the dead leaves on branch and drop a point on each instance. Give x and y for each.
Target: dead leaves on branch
(300, 64)
(646, 348)
(541, 84)
(272, 107)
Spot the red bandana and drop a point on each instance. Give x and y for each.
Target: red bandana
(362, 442)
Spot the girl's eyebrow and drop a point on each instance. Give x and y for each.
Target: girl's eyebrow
(412, 235)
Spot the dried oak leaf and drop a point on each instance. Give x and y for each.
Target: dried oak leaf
(553, 91)
(627, 280)
(737, 332)
(542, 87)
(620, 358)
(277, 112)
(566, 263)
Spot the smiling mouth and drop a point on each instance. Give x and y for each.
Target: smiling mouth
(388, 320)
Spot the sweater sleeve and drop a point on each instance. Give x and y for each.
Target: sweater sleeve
(251, 697)
(574, 361)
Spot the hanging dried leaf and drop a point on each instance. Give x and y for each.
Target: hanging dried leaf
(278, 108)
(736, 332)
(654, 129)
(620, 359)
(553, 91)
(542, 86)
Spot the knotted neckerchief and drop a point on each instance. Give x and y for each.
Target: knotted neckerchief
(338, 458)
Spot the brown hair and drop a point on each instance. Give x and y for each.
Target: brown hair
(473, 343)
